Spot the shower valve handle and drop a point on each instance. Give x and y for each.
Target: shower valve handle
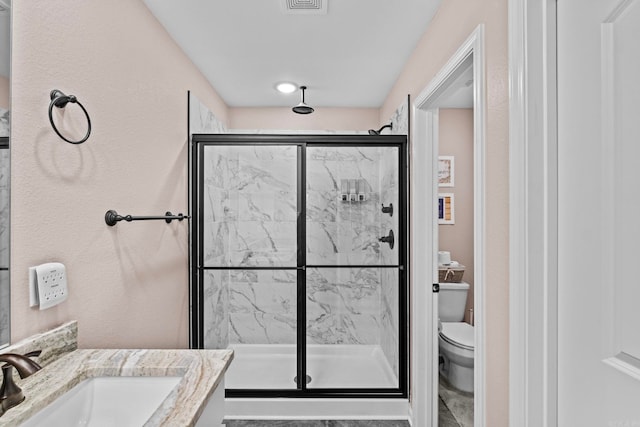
(390, 239)
(388, 209)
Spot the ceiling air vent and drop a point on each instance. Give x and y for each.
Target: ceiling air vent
(314, 7)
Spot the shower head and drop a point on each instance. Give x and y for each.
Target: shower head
(377, 132)
(302, 108)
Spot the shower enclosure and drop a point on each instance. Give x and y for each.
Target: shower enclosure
(299, 262)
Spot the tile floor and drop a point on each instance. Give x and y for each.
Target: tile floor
(458, 403)
(317, 423)
(445, 417)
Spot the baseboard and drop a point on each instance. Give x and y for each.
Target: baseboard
(316, 409)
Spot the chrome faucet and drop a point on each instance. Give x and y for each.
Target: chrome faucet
(10, 394)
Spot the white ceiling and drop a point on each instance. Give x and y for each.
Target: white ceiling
(349, 57)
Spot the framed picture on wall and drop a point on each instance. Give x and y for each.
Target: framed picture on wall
(446, 208)
(445, 171)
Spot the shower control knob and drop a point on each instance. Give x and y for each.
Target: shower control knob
(388, 209)
(390, 240)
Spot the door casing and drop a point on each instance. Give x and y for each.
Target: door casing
(425, 241)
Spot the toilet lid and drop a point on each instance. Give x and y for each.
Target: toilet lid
(458, 333)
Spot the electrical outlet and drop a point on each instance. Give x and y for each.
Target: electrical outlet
(33, 288)
(47, 285)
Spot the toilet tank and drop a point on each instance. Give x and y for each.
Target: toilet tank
(452, 300)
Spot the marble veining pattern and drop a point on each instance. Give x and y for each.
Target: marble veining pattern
(54, 343)
(389, 278)
(390, 194)
(400, 119)
(342, 232)
(202, 119)
(390, 317)
(4, 208)
(216, 309)
(5, 308)
(250, 202)
(201, 372)
(250, 214)
(5, 293)
(262, 306)
(343, 305)
(5, 122)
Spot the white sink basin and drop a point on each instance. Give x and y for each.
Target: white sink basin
(107, 401)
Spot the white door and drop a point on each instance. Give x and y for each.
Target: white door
(599, 213)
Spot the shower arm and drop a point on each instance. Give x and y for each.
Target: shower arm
(377, 132)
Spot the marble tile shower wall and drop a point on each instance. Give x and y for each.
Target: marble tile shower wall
(4, 208)
(262, 306)
(5, 121)
(216, 309)
(250, 206)
(216, 296)
(343, 305)
(4, 248)
(339, 232)
(400, 119)
(250, 219)
(202, 120)
(389, 280)
(250, 211)
(250, 307)
(5, 315)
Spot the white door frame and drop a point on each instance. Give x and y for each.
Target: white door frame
(533, 216)
(425, 245)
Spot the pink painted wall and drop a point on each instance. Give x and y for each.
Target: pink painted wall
(450, 27)
(128, 283)
(351, 119)
(4, 92)
(456, 139)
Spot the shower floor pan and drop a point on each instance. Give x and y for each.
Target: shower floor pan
(329, 366)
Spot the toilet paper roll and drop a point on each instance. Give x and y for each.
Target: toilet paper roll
(444, 257)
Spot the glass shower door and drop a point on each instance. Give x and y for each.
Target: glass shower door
(299, 263)
(250, 258)
(353, 255)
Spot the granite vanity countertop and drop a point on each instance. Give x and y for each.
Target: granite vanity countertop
(201, 372)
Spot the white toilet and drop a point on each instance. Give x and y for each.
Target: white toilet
(456, 340)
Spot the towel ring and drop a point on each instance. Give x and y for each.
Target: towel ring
(61, 100)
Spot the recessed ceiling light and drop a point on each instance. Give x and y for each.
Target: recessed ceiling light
(286, 87)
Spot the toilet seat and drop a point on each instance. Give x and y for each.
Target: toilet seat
(459, 334)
